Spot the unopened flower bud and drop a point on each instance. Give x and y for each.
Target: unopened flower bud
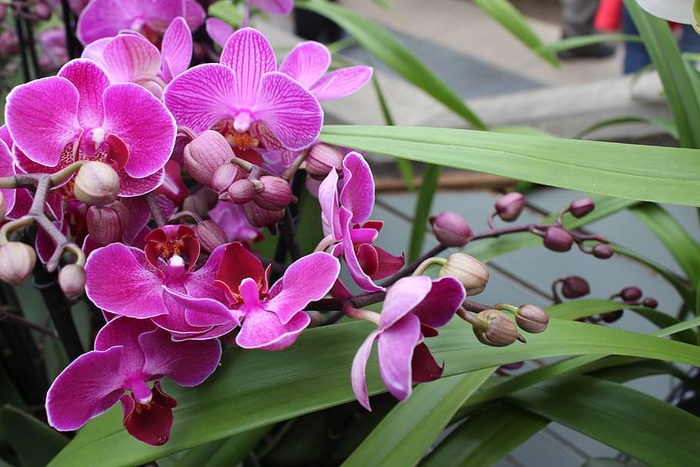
(650, 302)
(611, 316)
(557, 239)
(259, 217)
(451, 229)
(276, 193)
(210, 235)
(107, 224)
(468, 270)
(204, 154)
(9, 43)
(501, 329)
(96, 184)
(71, 279)
(196, 204)
(602, 251)
(531, 318)
(575, 287)
(581, 207)
(225, 175)
(243, 191)
(510, 206)
(631, 294)
(42, 11)
(17, 261)
(3, 206)
(322, 159)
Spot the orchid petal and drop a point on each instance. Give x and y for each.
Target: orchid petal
(387, 264)
(238, 264)
(7, 170)
(176, 49)
(354, 267)
(130, 187)
(150, 426)
(194, 14)
(367, 258)
(129, 57)
(90, 81)
(330, 211)
(103, 18)
(143, 123)
(203, 311)
(262, 329)
(440, 304)
(395, 348)
(306, 63)
(274, 7)
(401, 298)
(357, 372)
(357, 194)
(678, 11)
(218, 30)
(341, 83)
(423, 365)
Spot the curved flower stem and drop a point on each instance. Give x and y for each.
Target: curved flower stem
(155, 209)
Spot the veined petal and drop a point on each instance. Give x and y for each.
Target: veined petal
(40, 138)
(129, 57)
(88, 387)
(248, 53)
(307, 279)
(395, 348)
(262, 329)
(114, 270)
(203, 312)
(357, 373)
(176, 50)
(274, 7)
(401, 298)
(218, 30)
(130, 187)
(678, 11)
(90, 81)
(341, 83)
(440, 304)
(143, 123)
(104, 18)
(330, 211)
(306, 63)
(357, 194)
(202, 96)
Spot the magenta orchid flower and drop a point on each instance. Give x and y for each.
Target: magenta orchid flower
(345, 214)
(246, 99)
(7, 169)
(129, 354)
(273, 7)
(167, 261)
(413, 309)
(270, 319)
(130, 57)
(308, 63)
(122, 125)
(106, 18)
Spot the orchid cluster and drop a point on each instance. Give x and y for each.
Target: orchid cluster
(144, 182)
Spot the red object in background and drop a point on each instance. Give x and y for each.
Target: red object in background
(609, 15)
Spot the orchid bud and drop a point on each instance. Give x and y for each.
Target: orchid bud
(42, 11)
(468, 270)
(510, 206)
(204, 154)
(17, 261)
(276, 193)
(96, 184)
(107, 224)
(210, 235)
(611, 316)
(9, 43)
(631, 294)
(575, 287)
(225, 175)
(196, 204)
(71, 279)
(602, 251)
(558, 239)
(243, 191)
(3, 206)
(650, 302)
(259, 217)
(451, 229)
(322, 159)
(531, 318)
(3, 12)
(581, 207)
(501, 330)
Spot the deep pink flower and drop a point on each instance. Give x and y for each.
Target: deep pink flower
(121, 124)
(272, 318)
(106, 18)
(274, 7)
(246, 99)
(413, 309)
(128, 354)
(345, 214)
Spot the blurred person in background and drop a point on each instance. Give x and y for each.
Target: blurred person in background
(577, 18)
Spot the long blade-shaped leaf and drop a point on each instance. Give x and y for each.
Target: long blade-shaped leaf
(431, 177)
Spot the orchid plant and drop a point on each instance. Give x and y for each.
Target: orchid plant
(166, 181)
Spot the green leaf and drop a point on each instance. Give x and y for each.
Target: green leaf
(486, 437)
(223, 453)
(582, 41)
(386, 48)
(668, 126)
(663, 434)
(227, 12)
(34, 442)
(648, 173)
(431, 179)
(412, 427)
(503, 12)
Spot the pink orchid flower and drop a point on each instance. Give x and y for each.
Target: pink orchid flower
(345, 213)
(120, 124)
(274, 7)
(413, 309)
(308, 63)
(270, 319)
(166, 263)
(128, 354)
(130, 57)
(106, 18)
(246, 99)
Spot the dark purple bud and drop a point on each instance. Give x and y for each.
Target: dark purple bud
(602, 251)
(259, 217)
(611, 316)
(510, 206)
(107, 224)
(557, 239)
(243, 191)
(451, 229)
(275, 195)
(575, 287)
(631, 294)
(581, 207)
(531, 318)
(210, 235)
(650, 302)
(322, 159)
(17, 261)
(71, 279)
(499, 331)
